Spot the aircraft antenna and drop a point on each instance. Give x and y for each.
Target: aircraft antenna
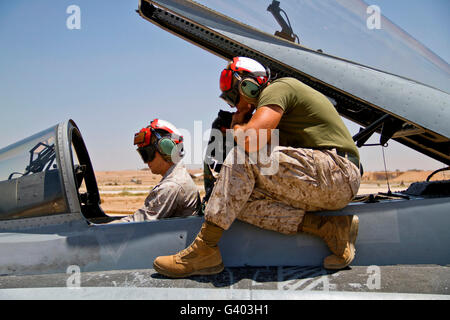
(286, 28)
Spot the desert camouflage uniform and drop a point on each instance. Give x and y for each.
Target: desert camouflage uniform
(306, 180)
(176, 195)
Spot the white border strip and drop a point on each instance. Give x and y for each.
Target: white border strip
(112, 293)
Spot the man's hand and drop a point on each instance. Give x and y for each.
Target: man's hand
(265, 118)
(242, 115)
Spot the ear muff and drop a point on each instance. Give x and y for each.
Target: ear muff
(166, 146)
(250, 88)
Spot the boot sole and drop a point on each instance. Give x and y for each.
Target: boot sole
(353, 235)
(206, 271)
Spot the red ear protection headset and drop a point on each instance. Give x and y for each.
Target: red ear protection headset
(254, 78)
(165, 145)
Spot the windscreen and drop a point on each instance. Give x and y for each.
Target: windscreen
(30, 183)
(349, 29)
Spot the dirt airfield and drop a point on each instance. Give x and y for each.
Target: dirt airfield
(123, 192)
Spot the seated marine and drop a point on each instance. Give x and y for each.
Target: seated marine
(161, 147)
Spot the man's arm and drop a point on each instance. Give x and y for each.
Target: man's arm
(161, 203)
(255, 134)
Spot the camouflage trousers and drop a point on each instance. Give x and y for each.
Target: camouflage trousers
(304, 180)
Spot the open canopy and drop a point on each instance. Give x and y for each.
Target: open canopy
(412, 112)
(41, 179)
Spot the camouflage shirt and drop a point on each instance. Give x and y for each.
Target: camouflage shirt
(176, 195)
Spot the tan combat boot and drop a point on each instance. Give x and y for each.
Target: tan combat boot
(339, 233)
(202, 257)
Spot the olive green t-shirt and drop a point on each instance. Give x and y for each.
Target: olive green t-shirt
(309, 119)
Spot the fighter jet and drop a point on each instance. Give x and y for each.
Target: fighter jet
(48, 223)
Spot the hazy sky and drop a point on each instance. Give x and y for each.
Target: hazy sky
(118, 72)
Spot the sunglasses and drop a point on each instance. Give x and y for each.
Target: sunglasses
(147, 153)
(231, 97)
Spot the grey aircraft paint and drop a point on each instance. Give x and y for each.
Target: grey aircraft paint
(410, 228)
(362, 94)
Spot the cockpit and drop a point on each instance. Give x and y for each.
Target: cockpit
(30, 178)
(49, 174)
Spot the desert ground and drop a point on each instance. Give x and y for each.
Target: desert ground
(123, 192)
